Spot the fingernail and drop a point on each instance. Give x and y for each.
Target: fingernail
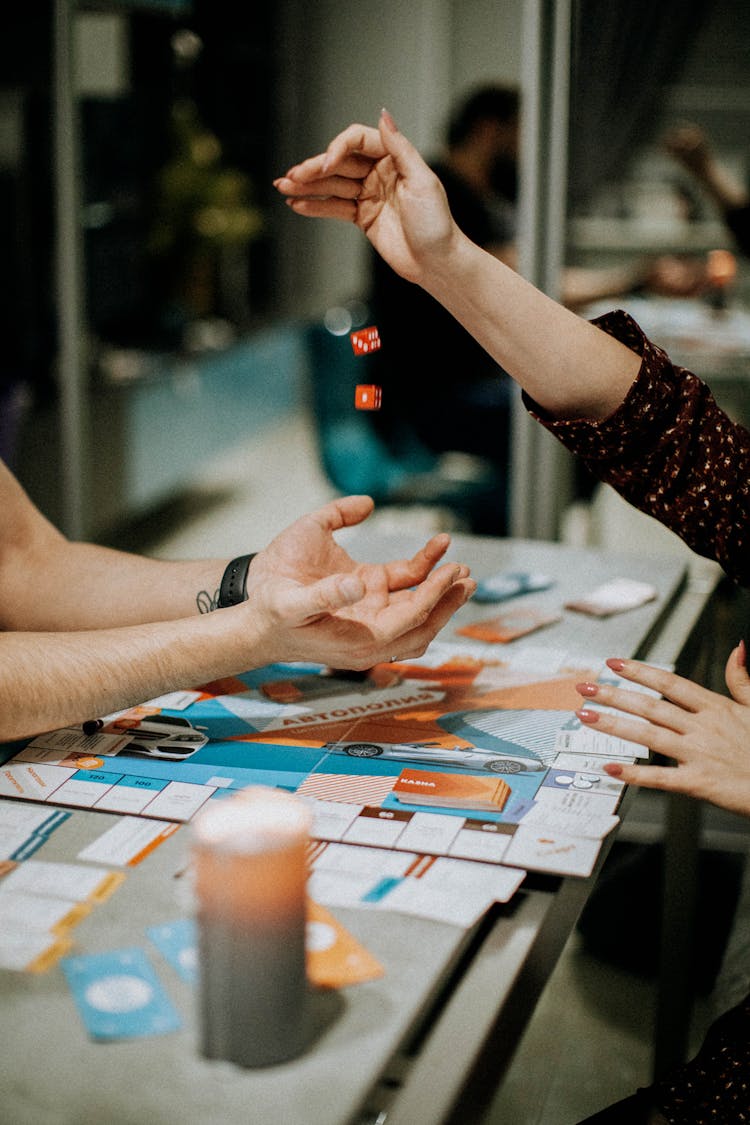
(614, 769)
(587, 689)
(616, 664)
(588, 716)
(388, 120)
(741, 655)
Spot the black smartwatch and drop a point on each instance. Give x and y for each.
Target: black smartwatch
(232, 590)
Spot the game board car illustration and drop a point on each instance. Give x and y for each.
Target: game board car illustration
(471, 757)
(164, 736)
(529, 734)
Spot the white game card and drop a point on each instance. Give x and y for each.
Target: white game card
(551, 851)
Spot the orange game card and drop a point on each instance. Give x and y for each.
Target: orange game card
(508, 626)
(452, 790)
(334, 956)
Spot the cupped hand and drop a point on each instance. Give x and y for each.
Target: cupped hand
(706, 734)
(307, 550)
(376, 179)
(312, 601)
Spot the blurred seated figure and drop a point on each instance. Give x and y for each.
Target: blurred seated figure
(690, 146)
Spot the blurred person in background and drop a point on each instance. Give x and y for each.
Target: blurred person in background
(690, 145)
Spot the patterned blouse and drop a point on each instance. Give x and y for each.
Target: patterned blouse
(714, 1087)
(670, 451)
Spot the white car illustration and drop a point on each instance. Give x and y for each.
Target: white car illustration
(164, 736)
(430, 753)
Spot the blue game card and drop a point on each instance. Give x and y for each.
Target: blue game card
(178, 944)
(119, 996)
(509, 584)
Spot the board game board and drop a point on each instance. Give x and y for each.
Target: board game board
(344, 741)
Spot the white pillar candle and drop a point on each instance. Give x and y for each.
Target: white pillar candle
(249, 854)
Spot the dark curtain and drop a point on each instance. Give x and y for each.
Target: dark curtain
(623, 53)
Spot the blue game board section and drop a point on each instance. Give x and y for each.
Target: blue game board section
(240, 764)
(233, 759)
(146, 783)
(367, 767)
(221, 723)
(254, 756)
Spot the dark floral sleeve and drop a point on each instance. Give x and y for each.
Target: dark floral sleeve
(670, 451)
(714, 1087)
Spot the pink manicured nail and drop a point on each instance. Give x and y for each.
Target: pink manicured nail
(614, 769)
(588, 716)
(587, 689)
(616, 664)
(741, 655)
(388, 120)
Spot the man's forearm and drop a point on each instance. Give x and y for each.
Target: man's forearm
(80, 586)
(48, 680)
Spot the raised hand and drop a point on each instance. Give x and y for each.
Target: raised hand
(313, 602)
(376, 179)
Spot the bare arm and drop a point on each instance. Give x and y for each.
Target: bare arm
(307, 600)
(48, 680)
(49, 583)
(566, 364)
(375, 178)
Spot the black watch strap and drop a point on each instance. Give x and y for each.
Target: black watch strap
(234, 580)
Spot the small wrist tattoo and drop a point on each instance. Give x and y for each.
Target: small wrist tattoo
(207, 602)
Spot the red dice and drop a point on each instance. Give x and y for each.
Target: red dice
(368, 397)
(365, 340)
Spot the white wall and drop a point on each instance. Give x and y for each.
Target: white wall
(486, 41)
(342, 62)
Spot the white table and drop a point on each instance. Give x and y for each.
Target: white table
(432, 1038)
